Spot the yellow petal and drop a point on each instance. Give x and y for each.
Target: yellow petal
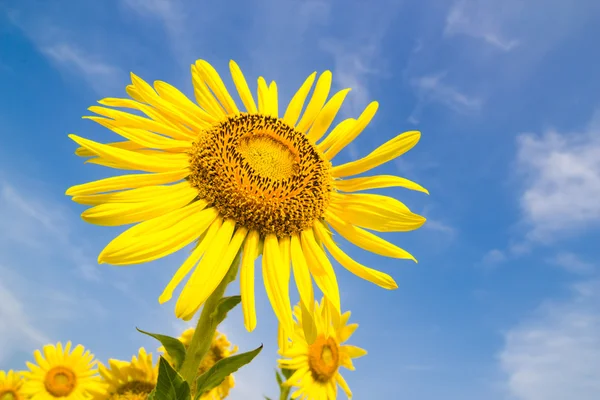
(366, 240)
(242, 87)
(375, 212)
(384, 153)
(273, 100)
(129, 158)
(342, 382)
(324, 276)
(157, 110)
(371, 275)
(127, 120)
(126, 145)
(191, 261)
(377, 182)
(361, 123)
(204, 97)
(295, 106)
(353, 351)
(211, 270)
(275, 284)
(263, 97)
(215, 83)
(302, 274)
(326, 116)
(247, 279)
(115, 214)
(123, 182)
(340, 130)
(346, 332)
(316, 102)
(159, 237)
(139, 195)
(185, 105)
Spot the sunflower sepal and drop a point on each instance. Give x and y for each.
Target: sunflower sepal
(221, 370)
(225, 305)
(174, 348)
(170, 385)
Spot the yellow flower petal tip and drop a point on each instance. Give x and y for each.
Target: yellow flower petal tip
(197, 164)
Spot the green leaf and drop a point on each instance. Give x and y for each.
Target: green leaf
(267, 398)
(173, 346)
(222, 369)
(170, 385)
(225, 305)
(287, 373)
(279, 378)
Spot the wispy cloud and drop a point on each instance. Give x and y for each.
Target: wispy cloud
(554, 355)
(92, 69)
(493, 258)
(42, 227)
(562, 181)
(481, 20)
(62, 48)
(573, 263)
(18, 331)
(433, 89)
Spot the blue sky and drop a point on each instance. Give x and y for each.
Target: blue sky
(505, 301)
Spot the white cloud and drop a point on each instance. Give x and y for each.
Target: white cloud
(96, 72)
(63, 49)
(40, 226)
(554, 355)
(432, 89)
(17, 329)
(494, 257)
(562, 181)
(572, 263)
(482, 20)
(439, 226)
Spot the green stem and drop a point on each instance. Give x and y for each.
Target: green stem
(285, 393)
(205, 330)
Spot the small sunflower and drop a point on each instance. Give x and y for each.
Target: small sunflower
(11, 384)
(258, 180)
(316, 366)
(220, 348)
(128, 380)
(61, 373)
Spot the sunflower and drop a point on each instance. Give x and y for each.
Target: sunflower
(128, 380)
(61, 373)
(220, 348)
(316, 365)
(255, 180)
(11, 384)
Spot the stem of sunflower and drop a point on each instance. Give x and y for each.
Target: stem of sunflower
(285, 393)
(206, 327)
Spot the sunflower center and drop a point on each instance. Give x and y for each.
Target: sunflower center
(136, 387)
(323, 358)
(8, 395)
(262, 173)
(60, 381)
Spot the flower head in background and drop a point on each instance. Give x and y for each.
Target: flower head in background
(220, 348)
(259, 180)
(128, 380)
(316, 362)
(61, 373)
(11, 384)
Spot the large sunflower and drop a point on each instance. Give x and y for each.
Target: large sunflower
(255, 180)
(128, 380)
(61, 373)
(316, 362)
(11, 384)
(220, 348)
